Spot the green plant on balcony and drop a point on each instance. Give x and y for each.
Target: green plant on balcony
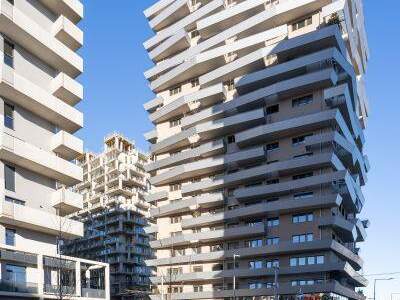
(334, 19)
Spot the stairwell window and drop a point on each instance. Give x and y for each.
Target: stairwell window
(9, 53)
(302, 23)
(9, 116)
(9, 178)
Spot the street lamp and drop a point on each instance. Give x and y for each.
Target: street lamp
(234, 275)
(380, 279)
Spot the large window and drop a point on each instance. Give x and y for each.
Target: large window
(302, 23)
(8, 116)
(9, 178)
(10, 237)
(272, 241)
(15, 273)
(9, 53)
(302, 238)
(303, 218)
(257, 264)
(254, 243)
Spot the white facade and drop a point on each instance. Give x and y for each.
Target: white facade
(38, 91)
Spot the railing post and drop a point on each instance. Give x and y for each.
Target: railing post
(78, 285)
(40, 268)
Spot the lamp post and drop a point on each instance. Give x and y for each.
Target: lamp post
(380, 279)
(234, 275)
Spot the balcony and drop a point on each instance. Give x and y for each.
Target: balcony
(208, 165)
(174, 44)
(208, 236)
(72, 9)
(262, 172)
(157, 8)
(163, 195)
(66, 145)
(19, 257)
(38, 160)
(67, 89)
(68, 33)
(203, 151)
(39, 101)
(151, 136)
(173, 13)
(39, 220)
(25, 32)
(17, 288)
(67, 202)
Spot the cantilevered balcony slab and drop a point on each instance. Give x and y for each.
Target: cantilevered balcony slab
(205, 150)
(208, 236)
(39, 101)
(68, 33)
(264, 96)
(263, 172)
(152, 105)
(188, 204)
(39, 220)
(30, 35)
(67, 202)
(173, 13)
(151, 136)
(72, 9)
(40, 161)
(278, 207)
(67, 89)
(187, 21)
(345, 228)
(157, 8)
(283, 248)
(66, 145)
(208, 165)
(174, 44)
(151, 197)
(210, 130)
(199, 99)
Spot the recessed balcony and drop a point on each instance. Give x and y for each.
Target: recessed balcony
(39, 101)
(67, 202)
(38, 160)
(68, 33)
(66, 145)
(67, 89)
(39, 220)
(20, 28)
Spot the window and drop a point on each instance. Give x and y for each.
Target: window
(195, 82)
(176, 90)
(272, 222)
(306, 282)
(194, 33)
(255, 264)
(255, 285)
(272, 146)
(254, 223)
(301, 101)
(303, 218)
(8, 116)
(233, 245)
(320, 260)
(10, 237)
(302, 238)
(302, 23)
(272, 241)
(196, 250)
(9, 53)
(230, 85)
(273, 181)
(175, 271)
(175, 122)
(215, 248)
(174, 187)
(272, 263)
(269, 285)
(176, 233)
(9, 178)
(175, 220)
(13, 200)
(15, 273)
(254, 243)
(231, 139)
(302, 176)
(198, 269)
(304, 195)
(197, 288)
(272, 109)
(177, 252)
(299, 140)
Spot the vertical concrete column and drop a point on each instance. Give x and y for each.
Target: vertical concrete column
(78, 285)
(40, 275)
(107, 281)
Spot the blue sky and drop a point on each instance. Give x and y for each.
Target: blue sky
(115, 90)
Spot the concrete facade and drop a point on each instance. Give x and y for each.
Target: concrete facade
(38, 92)
(257, 148)
(114, 215)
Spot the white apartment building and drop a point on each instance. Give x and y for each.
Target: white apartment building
(258, 148)
(38, 92)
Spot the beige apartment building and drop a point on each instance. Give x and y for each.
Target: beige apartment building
(114, 215)
(258, 148)
(38, 92)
